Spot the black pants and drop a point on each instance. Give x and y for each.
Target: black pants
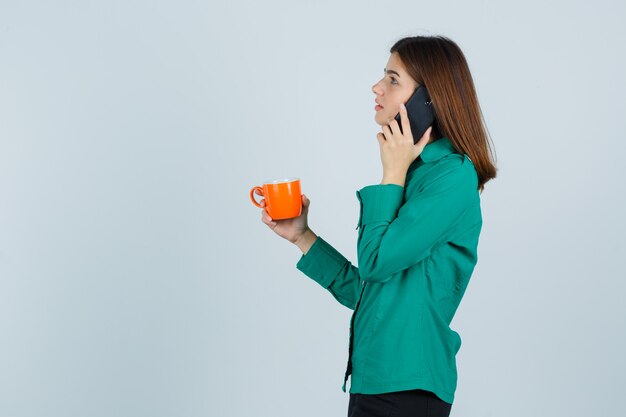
(412, 403)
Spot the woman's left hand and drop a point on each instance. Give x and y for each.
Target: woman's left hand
(397, 149)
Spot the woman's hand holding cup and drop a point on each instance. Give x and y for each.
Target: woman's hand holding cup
(291, 229)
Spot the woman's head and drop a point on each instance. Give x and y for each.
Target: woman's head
(394, 88)
(438, 64)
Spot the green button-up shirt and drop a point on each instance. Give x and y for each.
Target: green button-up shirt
(417, 248)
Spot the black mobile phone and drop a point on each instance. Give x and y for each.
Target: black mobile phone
(420, 112)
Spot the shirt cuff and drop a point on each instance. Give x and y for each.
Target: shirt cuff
(322, 262)
(380, 202)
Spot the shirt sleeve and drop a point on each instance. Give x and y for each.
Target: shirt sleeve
(329, 268)
(394, 237)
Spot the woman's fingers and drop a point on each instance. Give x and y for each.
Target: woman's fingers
(265, 216)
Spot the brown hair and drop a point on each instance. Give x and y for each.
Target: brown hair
(438, 64)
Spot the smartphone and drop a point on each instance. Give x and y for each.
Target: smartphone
(420, 112)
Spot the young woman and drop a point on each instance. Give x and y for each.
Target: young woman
(417, 241)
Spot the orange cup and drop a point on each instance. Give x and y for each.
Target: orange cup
(283, 199)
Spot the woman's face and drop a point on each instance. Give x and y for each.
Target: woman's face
(394, 88)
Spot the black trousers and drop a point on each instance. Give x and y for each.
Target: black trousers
(412, 403)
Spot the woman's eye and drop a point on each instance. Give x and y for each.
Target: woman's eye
(393, 80)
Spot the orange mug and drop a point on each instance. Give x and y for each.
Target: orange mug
(283, 199)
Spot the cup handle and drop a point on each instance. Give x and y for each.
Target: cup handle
(256, 203)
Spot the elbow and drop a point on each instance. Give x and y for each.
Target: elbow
(373, 276)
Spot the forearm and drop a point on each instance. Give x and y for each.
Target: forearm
(305, 241)
(329, 268)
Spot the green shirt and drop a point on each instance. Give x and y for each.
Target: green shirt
(417, 248)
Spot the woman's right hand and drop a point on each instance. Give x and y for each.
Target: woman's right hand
(290, 229)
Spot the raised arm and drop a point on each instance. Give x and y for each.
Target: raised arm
(394, 237)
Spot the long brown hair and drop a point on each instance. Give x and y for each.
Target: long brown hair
(437, 63)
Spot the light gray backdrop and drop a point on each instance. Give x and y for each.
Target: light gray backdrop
(137, 279)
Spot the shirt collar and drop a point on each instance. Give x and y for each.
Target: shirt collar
(437, 150)
(434, 151)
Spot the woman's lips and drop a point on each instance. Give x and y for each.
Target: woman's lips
(378, 107)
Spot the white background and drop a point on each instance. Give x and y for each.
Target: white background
(136, 276)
